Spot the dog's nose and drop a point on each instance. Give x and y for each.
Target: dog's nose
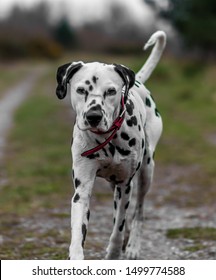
(94, 116)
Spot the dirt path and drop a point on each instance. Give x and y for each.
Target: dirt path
(54, 225)
(11, 99)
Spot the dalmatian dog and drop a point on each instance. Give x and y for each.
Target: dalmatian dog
(115, 135)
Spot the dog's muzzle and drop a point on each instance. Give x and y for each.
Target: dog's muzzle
(94, 116)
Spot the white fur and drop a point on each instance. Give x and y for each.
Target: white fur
(159, 40)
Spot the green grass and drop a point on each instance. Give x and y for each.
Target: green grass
(196, 233)
(195, 248)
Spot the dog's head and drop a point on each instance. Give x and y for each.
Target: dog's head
(96, 90)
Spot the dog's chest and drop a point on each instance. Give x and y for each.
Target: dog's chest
(121, 158)
(118, 168)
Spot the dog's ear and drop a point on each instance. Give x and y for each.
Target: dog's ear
(127, 75)
(63, 76)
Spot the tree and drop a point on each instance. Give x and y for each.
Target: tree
(64, 34)
(194, 19)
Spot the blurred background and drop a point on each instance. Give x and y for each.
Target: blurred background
(45, 28)
(37, 36)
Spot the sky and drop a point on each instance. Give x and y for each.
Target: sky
(80, 11)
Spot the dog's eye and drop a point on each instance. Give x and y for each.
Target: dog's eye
(81, 90)
(111, 91)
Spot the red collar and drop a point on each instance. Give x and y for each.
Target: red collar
(114, 128)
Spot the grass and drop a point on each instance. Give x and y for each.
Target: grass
(195, 233)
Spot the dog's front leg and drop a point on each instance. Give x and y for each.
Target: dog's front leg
(83, 183)
(121, 203)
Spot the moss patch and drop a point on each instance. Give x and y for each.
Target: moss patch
(196, 233)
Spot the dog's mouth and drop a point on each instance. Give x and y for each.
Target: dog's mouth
(97, 130)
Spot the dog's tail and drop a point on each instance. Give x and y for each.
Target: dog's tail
(158, 39)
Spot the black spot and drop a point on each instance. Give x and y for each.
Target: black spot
(157, 112)
(139, 127)
(93, 156)
(127, 205)
(125, 136)
(77, 182)
(122, 151)
(119, 192)
(72, 173)
(90, 87)
(86, 95)
(84, 231)
(130, 107)
(145, 152)
(138, 166)
(114, 179)
(127, 191)
(88, 215)
(143, 143)
(76, 197)
(94, 79)
(114, 221)
(115, 136)
(128, 184)
(148, 160)
(148, 102)
(87, 82)
(132, 121)
(103, 149)
(112, 149)
(93, 102)
(132, 142)
(115, 205)
(122, 225)
(105, 122)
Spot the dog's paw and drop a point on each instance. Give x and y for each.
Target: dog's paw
(131, 254)
(133, 247)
